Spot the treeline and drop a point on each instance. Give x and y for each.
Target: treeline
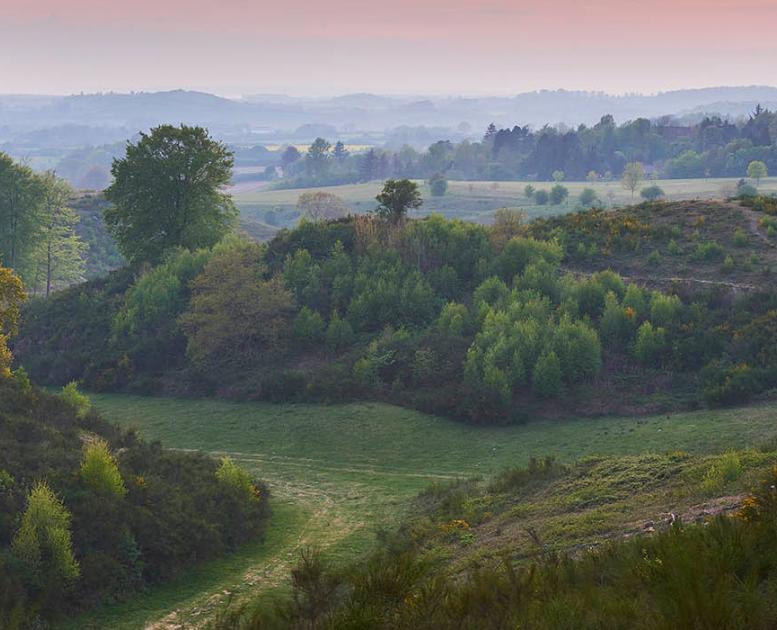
(719, 574)
(38, 237)
(91, 514)
(715, 147)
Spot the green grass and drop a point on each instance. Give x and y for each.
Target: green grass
(476, 201)
(340, 473)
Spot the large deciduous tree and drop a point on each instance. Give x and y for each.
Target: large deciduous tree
(397, 197)
(321, 206)
(235, 315)
(168, 191)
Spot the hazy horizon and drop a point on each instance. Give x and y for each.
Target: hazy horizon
(270, 94)
(456, 47)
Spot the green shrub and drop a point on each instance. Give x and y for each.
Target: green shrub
(78, 401)
(710, 251)
(43, 542)
(739, 239)
(747, 190)
(454, 320)
(617, 324)
(651, 345)
(438, 185)
(588, 197)
(99, 470)
(520, 252)
(308, 326)
(234, 477)
(339, 333)
(664, 309)
(725, 470)
(578, 348)
(673, 249)
(654, 259)
(652, 193)
(547, 376)
(729, 384)
(558, 194)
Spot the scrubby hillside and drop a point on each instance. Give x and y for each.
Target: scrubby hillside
(692, 245)
(580, 314)
(92, 514)
(629, 542)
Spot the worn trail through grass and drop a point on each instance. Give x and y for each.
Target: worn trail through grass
(339, 474)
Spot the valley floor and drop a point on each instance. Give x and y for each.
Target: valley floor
(339, 474)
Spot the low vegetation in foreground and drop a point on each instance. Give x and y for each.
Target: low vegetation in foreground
(614, 476)
(497, 554)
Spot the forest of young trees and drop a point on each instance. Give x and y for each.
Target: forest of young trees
(715, 147)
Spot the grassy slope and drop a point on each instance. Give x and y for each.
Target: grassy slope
(476, 201)
(342, 472)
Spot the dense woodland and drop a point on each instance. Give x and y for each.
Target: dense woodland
(715, 147)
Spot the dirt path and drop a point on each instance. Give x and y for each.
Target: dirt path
(752, 220)
(324, 526)
(660, 280)
(330, 518)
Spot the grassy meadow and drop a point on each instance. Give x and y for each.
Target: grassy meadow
(339, 474)
(475, 201)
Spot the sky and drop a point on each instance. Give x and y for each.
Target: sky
(326, 47)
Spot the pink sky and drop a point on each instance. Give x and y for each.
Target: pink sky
(391, 46)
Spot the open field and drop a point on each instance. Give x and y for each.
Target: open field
(476, 201)
(339, 474)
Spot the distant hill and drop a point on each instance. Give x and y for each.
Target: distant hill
(49, 131)
(367, 112)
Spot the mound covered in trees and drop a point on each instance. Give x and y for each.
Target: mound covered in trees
(478, 323)
(91, 514)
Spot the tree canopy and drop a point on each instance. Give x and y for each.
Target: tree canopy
(397, 197)
(168, 192)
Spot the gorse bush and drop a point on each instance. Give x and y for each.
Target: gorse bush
(237, 479)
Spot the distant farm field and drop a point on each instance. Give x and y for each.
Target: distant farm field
(339, 474)
(477, 201)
